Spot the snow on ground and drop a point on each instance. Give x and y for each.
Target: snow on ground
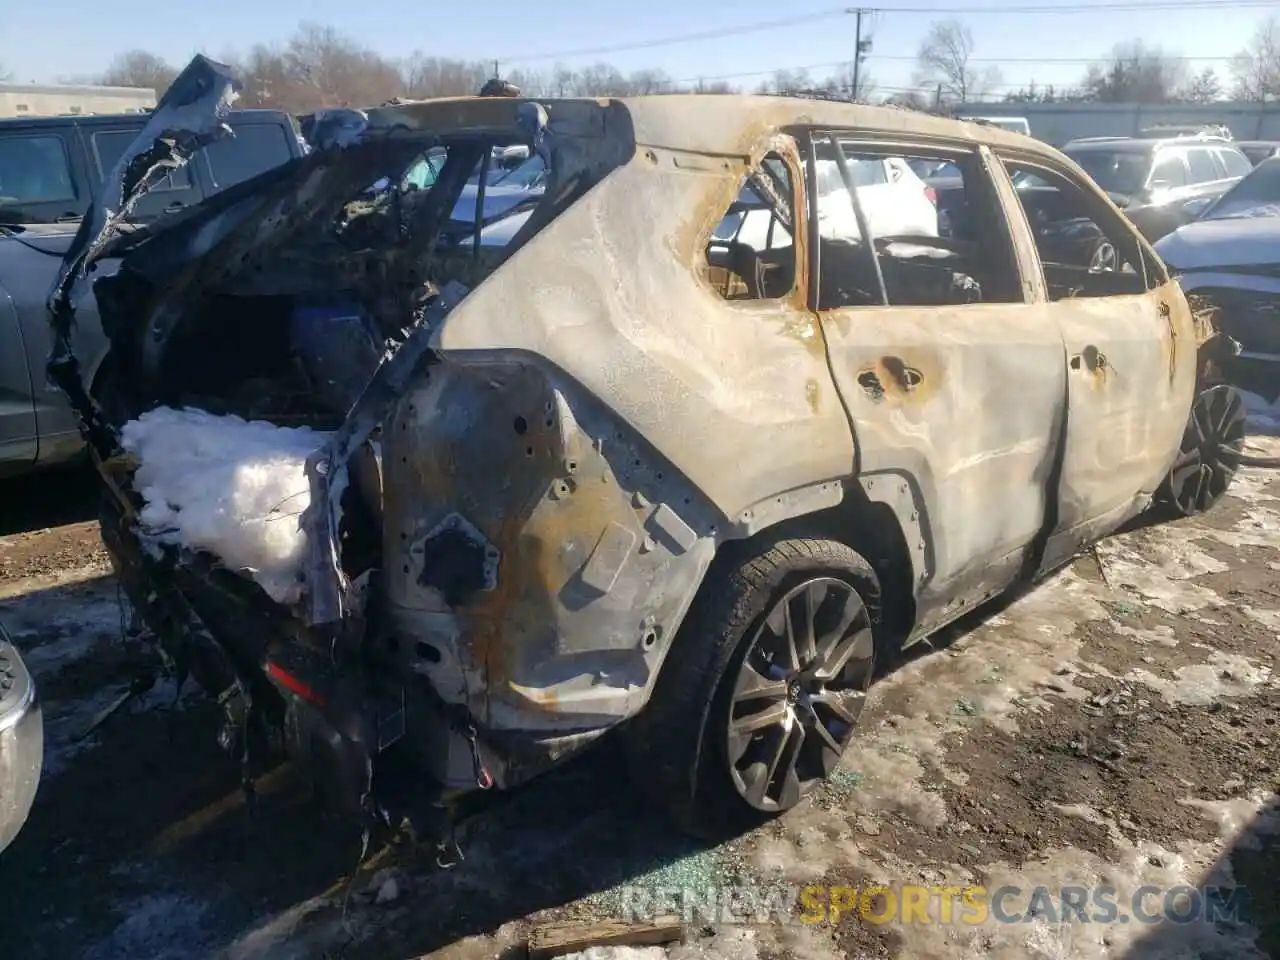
(1262, 417)
(232, 487)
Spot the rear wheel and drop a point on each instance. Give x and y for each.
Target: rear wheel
(760, 695)
(1209, 455)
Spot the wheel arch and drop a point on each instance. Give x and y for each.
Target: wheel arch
(878, 515)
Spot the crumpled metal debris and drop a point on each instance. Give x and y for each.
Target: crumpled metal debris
(191, 114)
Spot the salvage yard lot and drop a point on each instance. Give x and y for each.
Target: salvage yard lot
(1118, 725)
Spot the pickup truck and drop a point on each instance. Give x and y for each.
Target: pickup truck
(51, 169)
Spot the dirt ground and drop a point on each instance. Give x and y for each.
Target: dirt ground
(1117, 725)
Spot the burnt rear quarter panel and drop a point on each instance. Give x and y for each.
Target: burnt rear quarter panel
(600, 419)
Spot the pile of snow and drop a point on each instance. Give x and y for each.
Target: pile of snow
(1261, 416)
(232, 487)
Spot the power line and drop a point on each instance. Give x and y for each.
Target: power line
(840, 12)
(1098, 59)
(834, 64)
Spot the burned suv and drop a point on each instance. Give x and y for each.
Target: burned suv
(434, 517)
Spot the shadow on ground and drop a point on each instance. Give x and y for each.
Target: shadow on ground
(48, 498)
(1239, 888)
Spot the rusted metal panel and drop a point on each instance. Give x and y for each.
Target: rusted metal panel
(1132, 375)
(707, 382)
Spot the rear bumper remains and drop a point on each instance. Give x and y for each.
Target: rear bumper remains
(21, 741)
(283, 687)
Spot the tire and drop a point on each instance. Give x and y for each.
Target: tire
(1209, 454)
(680, 747)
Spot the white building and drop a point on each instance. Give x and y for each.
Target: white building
(48, 99)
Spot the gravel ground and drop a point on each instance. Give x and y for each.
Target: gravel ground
(1118, 725)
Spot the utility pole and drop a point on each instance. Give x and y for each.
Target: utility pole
(860, 49)
(495, 69)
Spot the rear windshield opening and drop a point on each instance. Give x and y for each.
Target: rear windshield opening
(296, 335)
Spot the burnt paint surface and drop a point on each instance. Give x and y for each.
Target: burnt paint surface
(964, 400)
(599, 545)
(1131, 375)
(752, 408)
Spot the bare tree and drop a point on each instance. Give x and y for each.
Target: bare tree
(786, 81)
(713, 86)
(909, 99)
(268, 81)
(5, 75)
(600, 80)
(138, 68)
(442, 76)
(944, 60)
(532, 83)
(338, 72)
(644, 82)
(1204, 87)
(1256, 68)
(1135, 73)
(1033, 94)
(841, 82)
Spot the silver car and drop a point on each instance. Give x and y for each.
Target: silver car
(21, 741)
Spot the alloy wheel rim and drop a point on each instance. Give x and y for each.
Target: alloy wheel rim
(1210, 452)
(799, 692)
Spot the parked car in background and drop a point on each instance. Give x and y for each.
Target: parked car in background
(1259, 150)
(1220, 131)
(51, 170)
(895, 202)
(21, 740)
(1230, 258)
(1159, 183)
(623, 486)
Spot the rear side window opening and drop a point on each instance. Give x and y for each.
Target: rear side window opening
(902, 239)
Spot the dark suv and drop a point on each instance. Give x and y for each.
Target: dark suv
(50, 167)
(1162, 183)
(51, 170)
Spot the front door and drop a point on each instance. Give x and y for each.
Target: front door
(953, 381)
(1130, 361)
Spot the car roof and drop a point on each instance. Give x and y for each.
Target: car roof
(1145, 144)
(712, 123)
(1118, 145)
(104, 119)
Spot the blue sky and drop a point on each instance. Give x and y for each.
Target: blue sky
(42, 41)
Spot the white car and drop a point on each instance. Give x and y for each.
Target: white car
(895, 201)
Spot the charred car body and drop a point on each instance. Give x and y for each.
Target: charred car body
(612, 474)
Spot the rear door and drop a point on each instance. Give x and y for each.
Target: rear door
(1130, 352)
(954, 382)
(17, 402)
(104, 144)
